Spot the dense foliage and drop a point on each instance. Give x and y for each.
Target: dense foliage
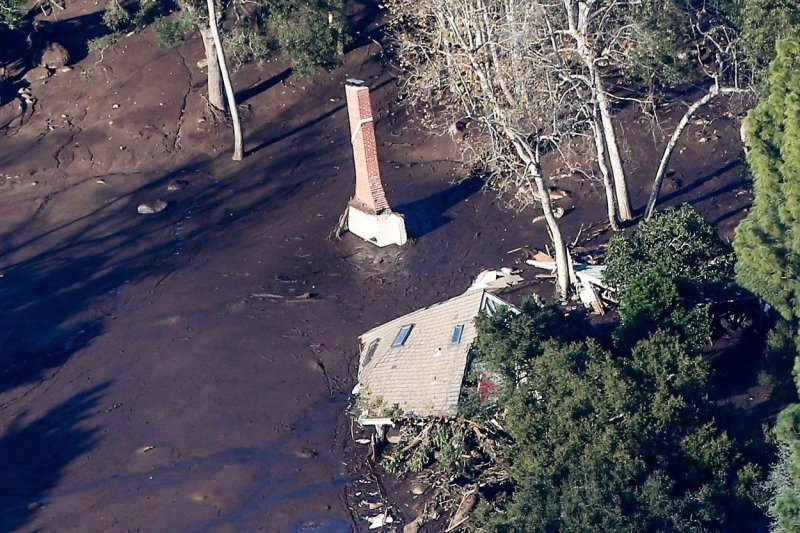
(764, 22)
(665, 273)
(11, 12)
(768, 249)
(767, 242)
(304, 33)
(608, 442)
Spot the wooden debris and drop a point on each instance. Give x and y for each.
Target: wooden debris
(414, 525)
(468, 502)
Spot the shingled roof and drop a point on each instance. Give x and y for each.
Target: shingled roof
(420, 368)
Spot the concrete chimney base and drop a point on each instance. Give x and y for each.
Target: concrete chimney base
(381, 230)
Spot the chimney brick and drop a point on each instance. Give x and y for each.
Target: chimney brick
(369, 188)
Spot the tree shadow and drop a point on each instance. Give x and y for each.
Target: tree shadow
(362, 21)
(59, 284)
(732, 213)
(36, 453)
(310, 123)
(426, 214)
(696, 184)
(246, 94)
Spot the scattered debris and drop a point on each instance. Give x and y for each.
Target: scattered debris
(150, 208)
(378, 521)
(468, 502)
(589, 281)
(496, 279)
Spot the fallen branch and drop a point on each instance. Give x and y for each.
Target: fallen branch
(469, 501)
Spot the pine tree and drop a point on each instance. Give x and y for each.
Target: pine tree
(768, 242)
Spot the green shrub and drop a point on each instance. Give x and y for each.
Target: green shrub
(171, 32)
(115, 17)
(653, 302)
(779, 359)
(666, 273)
(11, 13)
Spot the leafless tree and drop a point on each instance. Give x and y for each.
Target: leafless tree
(473, 62)
(238, 152)
(718, 56)
(597, 33)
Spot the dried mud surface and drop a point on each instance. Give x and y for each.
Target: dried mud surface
(164, 372)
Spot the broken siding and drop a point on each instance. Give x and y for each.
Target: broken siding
(424, 375)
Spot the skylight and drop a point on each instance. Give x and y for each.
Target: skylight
(371, 350)
(402, 335)
(457, 331)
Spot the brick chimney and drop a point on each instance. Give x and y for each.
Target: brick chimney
(369, 188)
(368, 213)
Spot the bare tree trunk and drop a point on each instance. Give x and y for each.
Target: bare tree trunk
(670, 149)
(611, 206)
(530, 157)
(226, 80)
(614, 158)
(215, 88)
(560, 249)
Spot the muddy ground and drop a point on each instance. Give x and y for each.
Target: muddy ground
(189, 370)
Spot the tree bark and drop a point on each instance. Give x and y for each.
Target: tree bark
(533, 167)
(620, 185)
(238, 152)
(611, 206)
(215, 97)
(670, 149)
(560, 249)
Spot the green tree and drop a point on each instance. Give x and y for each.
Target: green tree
(767, 242)
(665, 274)
(609, 442)
(11, 13)
(763, 23)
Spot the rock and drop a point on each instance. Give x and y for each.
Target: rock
(418, 489)
(393, 439)
(413, 527)
(203, 63)
(150, 208)
(55, 56)
(36, 74)
(177, 185)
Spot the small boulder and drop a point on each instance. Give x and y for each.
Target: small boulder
(177, 185)
(55, 56)
(418, 489)
(149, 208)
(36, 74)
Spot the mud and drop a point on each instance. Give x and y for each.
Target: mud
(158, 371)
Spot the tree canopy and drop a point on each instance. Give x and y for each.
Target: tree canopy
(665, 273)
(767, 242)
(767, 245)
(625, 442)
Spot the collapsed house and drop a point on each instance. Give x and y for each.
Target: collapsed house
(414, 365)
